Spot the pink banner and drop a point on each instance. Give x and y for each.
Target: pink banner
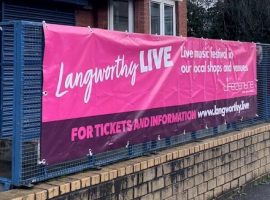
(94, 72)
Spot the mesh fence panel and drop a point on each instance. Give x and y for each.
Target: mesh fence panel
(21, 94)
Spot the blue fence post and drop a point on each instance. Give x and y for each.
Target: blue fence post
(17, 134)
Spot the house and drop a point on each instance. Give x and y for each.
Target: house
(165, 17)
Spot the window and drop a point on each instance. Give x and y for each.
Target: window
(121, 17)
(155, 18)
(162, 17)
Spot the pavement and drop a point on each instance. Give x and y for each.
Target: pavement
(260, 191)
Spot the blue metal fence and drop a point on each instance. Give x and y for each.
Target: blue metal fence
(22, 47)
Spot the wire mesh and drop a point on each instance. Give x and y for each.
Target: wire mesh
(26, 53)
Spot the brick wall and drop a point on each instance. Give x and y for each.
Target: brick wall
(197, 171)
(202, 171)
(101, 14)
(98, 16)
(181, 18)
(84, 18)
(141, 15)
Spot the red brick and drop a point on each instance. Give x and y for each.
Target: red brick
(181, 18)
(141, 16)
(84, 18)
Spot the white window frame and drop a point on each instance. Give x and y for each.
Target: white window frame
(162, 4)
(130, 16)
